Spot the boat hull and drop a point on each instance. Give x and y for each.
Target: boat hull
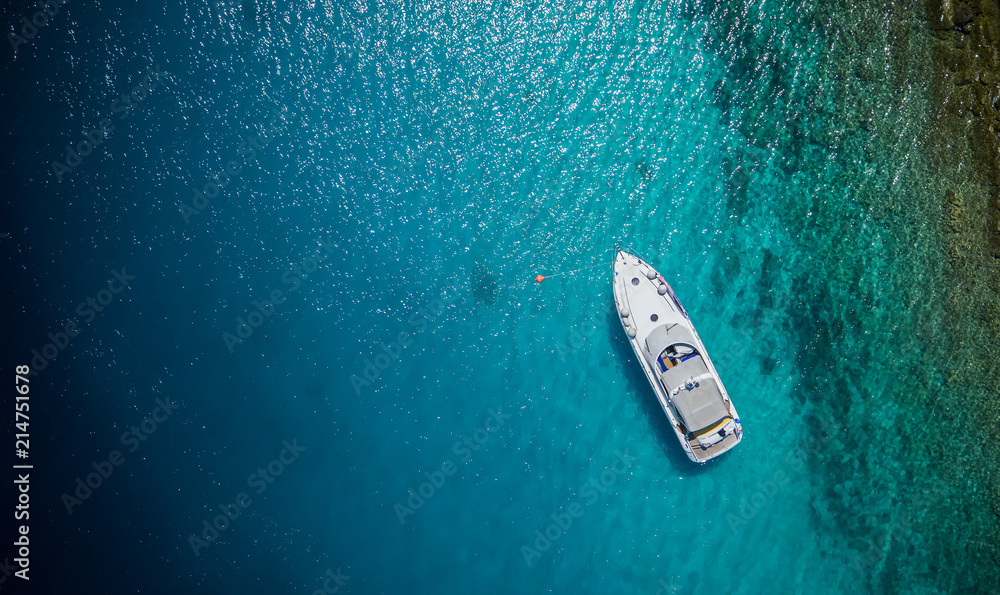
(651, 314)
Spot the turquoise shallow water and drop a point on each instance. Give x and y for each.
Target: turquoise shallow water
(446, 154)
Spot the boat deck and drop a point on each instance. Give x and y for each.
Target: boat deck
(642, 296)
(716, 449)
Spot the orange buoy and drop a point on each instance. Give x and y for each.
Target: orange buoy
(539, 278)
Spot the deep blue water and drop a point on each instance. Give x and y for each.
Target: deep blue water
(394, 176)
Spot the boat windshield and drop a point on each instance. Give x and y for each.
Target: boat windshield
(674, 355)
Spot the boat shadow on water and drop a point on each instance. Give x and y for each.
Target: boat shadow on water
(639, 389)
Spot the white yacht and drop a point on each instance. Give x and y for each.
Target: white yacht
(675, 360)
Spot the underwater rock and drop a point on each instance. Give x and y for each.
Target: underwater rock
(956, 245)
(989, 316)
(986, 31)
(962, 14)
(484, 285)
(953, 211)
(864, 72)
(995, 236)
(965, 74)
(940, 14)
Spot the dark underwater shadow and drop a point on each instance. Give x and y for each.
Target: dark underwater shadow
(659, 424)
(484, 285)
